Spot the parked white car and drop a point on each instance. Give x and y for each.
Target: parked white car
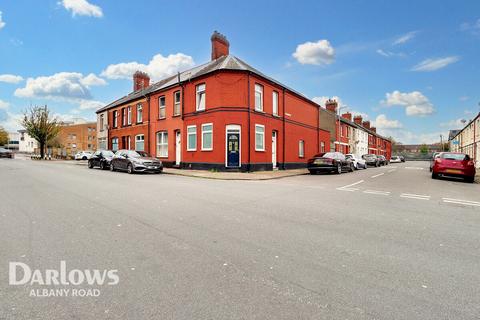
(358, 162)
(395, 159)
(83, 155)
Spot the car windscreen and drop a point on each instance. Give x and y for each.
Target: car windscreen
(137, 154)
(453, 156)
(107, 153)
(329, 155)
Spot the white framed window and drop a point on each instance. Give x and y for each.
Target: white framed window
(275, 103)
(139, 142)
(301, 148)
(161, 107)
(139, 113)
(207, 136)
(124, 117)
(322, 146)
(259, 137)
(115, 118)
(162, 144)
(176, 103)
(201, 96)
(114, 144)
(129, 115)
(191, 138)
(101, 122)
(258, 97)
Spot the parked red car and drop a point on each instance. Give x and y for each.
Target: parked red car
(454, 164)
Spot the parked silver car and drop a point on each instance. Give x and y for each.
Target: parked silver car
(135, 161)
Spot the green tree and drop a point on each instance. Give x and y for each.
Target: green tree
(40, 126)
(424, 149)
(3, 137)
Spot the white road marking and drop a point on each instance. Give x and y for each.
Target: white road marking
(415, 196)
(382, 193)
(350, 185)
(392, 170)
(348, 189)
(415, 168)
(378, 175)
(459, 201)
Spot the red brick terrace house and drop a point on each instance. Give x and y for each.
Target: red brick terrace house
(223, 115)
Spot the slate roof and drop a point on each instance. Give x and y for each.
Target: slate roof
(228, 62)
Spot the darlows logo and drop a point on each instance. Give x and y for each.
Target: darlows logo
(21, 274)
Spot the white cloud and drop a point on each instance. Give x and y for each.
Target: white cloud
(62, 85)
(10, 121)
(435, 64)
(474, 27)
(464, 98)
(4, 105)
(2, 23)
(404, 38)
(390, 53)
(159, 67)
(91, 104)
(454, 124)
(415, 103)
(92, 80)
(82, 8)
(10, 78)
(382, 122)
(317, 53)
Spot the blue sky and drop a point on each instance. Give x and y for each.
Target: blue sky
(411, 66)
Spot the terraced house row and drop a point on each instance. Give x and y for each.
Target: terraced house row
(222, 115)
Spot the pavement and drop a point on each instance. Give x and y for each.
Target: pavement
(381, 243)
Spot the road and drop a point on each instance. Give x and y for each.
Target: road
(381, 243)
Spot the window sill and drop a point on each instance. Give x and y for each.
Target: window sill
(162, 118)
(198, 111)
(260, 150)
(259, 111)
(208, 150)
(276, 115)
(191, 150)
(140, 122)
(176, 115)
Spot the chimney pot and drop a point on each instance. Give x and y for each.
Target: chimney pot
(331, 105)
(220, 45)
(366, 124)
(141, 80)
(347, 116)
(358, 119)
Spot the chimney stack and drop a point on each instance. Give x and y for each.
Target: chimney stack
(366, 124)
(347, 116)
(220, 45)
(373, 129)
(141, 80)
(331, 105)
(358, 119)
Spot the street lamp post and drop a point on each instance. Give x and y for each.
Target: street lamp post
(339, 125)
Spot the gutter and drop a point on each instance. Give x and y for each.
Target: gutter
(248, 105)
(284, 137)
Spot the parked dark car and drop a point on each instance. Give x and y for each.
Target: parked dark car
(101, 159)
(135, 161)
(330, 162)
(383, 160)
(371, 160)
(5, 153)
(435, 155)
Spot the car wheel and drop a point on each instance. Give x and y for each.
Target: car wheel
(352, 168)
(357, 167)
(376, 164)
(365, 166)
(84, 158)
(130, 168)
(112, 168)
(102, 165)
(434, 175)
(90, 164)
(470, 179)
(339, 169)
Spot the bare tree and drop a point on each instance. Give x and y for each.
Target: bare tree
(3, 137)
(40, 126)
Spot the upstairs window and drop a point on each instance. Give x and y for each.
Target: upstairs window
(161, 107)
(124, 117)
(176, 103)
(115, 118)
(258, 97)
(129, 115)
(101, 122)
(139, 113)
(201, 96)
(275, 103)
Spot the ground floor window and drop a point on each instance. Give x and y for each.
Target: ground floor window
(322, 146)
(301, 148)
(114, 144)
(102, 144)
(207, 136)
(191, 138)
(139, 142)
(162, 144)
(259, 137)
